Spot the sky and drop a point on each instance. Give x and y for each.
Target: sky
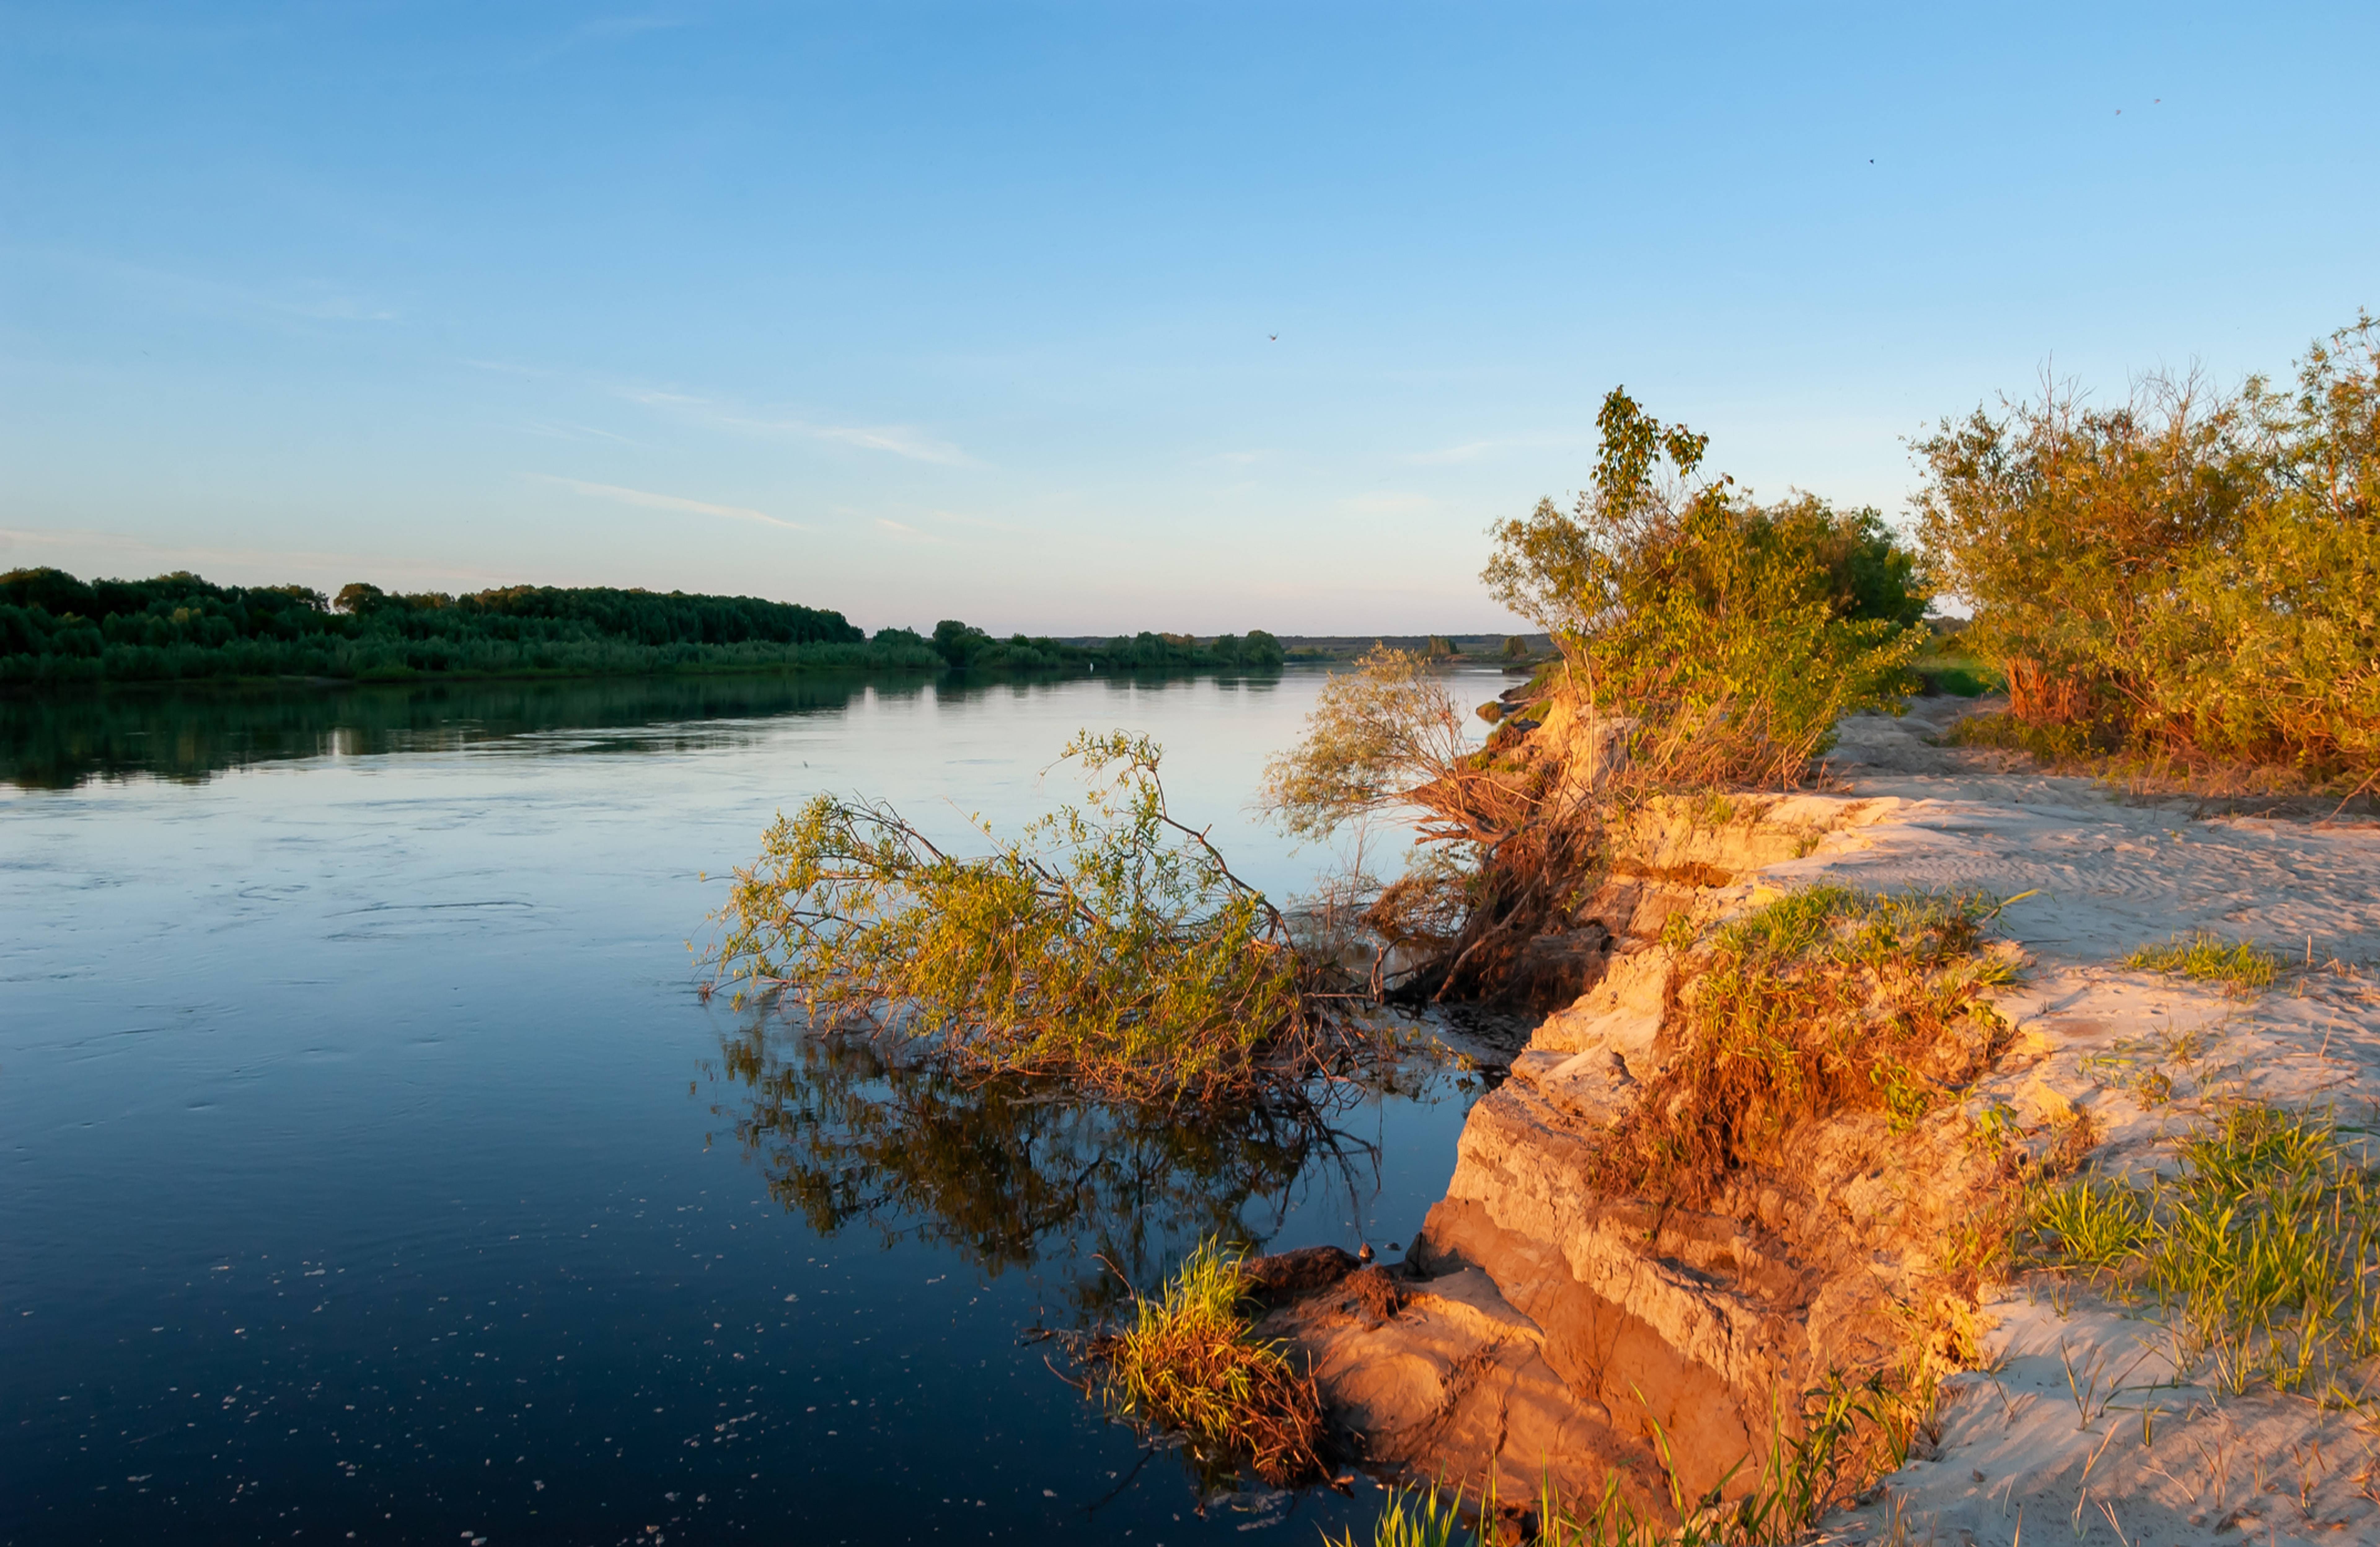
(1086, 318)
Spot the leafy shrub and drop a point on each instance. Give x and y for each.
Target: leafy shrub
(1735, 635)
(2190, 571)
(1705, 641)
(1387, 737)
(1112, 945)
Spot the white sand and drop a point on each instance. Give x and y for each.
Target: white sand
(2084, 1431)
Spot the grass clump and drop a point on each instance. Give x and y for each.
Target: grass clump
(1190, 1364)
(1825, 1000)
(1112, 945)
(2240, 966)
(2262, 1250)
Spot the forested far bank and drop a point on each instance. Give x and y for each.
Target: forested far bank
(965, 647)
(55, 629)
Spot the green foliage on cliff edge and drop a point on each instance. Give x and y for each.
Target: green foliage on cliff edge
(56, 628)
(1733, 634)
(2187, 573)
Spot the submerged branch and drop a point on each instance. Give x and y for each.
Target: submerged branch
(1113, 944)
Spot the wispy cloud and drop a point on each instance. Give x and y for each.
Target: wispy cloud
(628, 25)
(896, 440)
(904, 530)
(330, 306)
(309, 300)
(1387, 504)
(893, 440)
(652, 501)
(1241, 458)
(900, 440)
(984, 521)
(563, 430)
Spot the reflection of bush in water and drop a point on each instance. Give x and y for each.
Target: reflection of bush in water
(60, 740)
(1010, 1172)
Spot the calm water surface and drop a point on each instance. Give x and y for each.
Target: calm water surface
(372, 1170)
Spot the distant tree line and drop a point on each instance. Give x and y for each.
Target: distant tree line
(965, 647)
(56, 628)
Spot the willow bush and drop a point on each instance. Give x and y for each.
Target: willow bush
(1111, 945)
(1729, 635)
(2188, 573)
(1705, 641)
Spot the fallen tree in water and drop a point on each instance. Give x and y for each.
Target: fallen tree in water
(1111, 945)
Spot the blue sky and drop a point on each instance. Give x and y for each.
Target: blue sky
(923, 311)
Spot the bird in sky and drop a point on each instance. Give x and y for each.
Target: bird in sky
(1274, 336)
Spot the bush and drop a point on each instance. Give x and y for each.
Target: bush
(1112, 946)
(2191, 573)
(1705, 640)
(1733, 634)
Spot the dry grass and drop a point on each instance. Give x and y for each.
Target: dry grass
(2098, 751)
(1825, 1000)
(1189, 1364)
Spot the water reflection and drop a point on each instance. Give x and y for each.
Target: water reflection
(60, 741)
(1009, 1175)
(192, 733)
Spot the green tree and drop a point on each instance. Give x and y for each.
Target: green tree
(1731, 635)
(2190, 572)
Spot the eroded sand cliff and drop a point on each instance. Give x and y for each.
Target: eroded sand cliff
(1547, 1327)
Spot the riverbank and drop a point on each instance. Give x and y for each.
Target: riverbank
(1547, 1321)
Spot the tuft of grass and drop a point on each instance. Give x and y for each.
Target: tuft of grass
(2263, 1251)
(1824, 1001)
(1190, 1364)
(2240, 966)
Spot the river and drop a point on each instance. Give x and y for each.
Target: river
(374, 1172)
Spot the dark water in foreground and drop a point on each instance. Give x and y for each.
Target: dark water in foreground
(372, 1169)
